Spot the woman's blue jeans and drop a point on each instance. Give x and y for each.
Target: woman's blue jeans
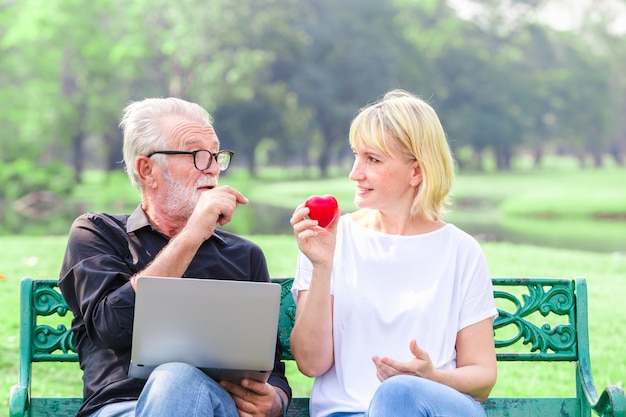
(410, 396)
(175, 389)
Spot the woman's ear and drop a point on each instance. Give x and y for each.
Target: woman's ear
(145, 170)
(416, 175)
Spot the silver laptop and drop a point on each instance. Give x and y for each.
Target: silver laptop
(226, 328)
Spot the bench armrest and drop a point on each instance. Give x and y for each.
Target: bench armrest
(18, 401)
(611, 403)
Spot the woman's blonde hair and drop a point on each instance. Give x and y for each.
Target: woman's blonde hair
(414, 125)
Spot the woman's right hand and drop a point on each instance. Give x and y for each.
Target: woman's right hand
(314, 241)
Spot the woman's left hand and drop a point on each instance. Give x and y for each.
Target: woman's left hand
(421, 365)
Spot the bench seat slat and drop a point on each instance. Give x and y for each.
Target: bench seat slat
(494, 407)
(524, 407)
(299, 407)
(54, 407)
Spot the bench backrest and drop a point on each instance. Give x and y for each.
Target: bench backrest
(540, 319)
(537, 320)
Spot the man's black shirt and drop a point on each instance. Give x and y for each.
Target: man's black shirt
(103, 252)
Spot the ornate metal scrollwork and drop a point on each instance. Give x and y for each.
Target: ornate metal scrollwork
(543, 299)
(47, 300)
(47, 339)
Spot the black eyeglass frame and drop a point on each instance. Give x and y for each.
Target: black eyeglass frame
(212, 156)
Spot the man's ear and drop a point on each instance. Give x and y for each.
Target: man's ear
(145, 170)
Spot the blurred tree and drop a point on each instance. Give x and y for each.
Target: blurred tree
(584, 115)
(84, 61)
(291, 74)
(538, 88)
(77, 71)
(603, 32)
(266, 112)
(243, 125)
(351, 58)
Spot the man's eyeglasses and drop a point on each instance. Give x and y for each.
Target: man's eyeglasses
(202, 158)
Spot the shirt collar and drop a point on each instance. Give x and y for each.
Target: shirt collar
(139, 220)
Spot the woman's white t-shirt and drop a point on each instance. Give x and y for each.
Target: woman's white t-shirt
(389, 289)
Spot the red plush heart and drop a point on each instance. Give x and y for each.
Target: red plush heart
(324, 208)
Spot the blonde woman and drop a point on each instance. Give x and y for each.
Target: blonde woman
(394, 305)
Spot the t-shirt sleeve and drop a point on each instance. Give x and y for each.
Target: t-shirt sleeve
(302, 279)
(477, 300)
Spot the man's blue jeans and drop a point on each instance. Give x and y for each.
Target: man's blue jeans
(176, 389)
(411, 396)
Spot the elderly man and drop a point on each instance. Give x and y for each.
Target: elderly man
(172, 155)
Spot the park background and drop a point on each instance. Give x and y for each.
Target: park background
(532, 94)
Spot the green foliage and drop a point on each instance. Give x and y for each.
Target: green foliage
(293, 73)
(32, 194)
(26, 176)
(106, 191)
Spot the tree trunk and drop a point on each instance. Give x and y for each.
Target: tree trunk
(114, 142)
(252, 165)
(503, 159)
(616, 154)
(77, 145)
(537, 156)
(597, 159)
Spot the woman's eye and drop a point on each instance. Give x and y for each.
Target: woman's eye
(368, 158)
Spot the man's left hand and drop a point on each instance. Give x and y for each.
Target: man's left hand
(254, 398)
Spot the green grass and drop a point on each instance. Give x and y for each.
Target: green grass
(41, 257)
(549, 192)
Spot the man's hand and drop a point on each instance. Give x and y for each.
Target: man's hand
(254, 398)
(215, 206)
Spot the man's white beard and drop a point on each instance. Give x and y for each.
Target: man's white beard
(180, 200)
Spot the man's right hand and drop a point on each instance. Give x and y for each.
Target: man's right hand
(215, 206)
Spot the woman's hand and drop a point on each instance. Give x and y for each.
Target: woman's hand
(420, 366)
(317, 243)
(476, 368)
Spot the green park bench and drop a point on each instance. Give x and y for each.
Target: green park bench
(540, 320)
